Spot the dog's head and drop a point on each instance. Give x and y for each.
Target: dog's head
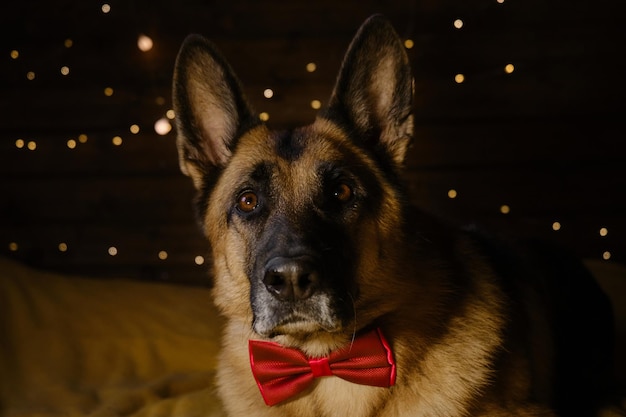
(302, 224)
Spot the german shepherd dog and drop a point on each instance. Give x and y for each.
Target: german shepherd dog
(314, 247)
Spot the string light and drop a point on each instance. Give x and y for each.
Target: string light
(199, 260)
(268, 93)
(108, 91)
(112, 251)
(106, 8)
(459, 78)
(604, 231)
(117, 141)
(170, 114)
(134, 129)
(264, 116)
(82, 138)
(509, 68)
(505, 209)
(68, 43)
(606, 255)
(30, 75)
(409, 44)
(32, 145)
(144, 43)
(62, 247)
(71, 143)
(556, 226)
(65, 70)
(19, 144)
(162, 255)
(15, 54)
(316, 104)
(311, 67)
(13, 246)
(162, 126)
(452, 193)
(458, 23)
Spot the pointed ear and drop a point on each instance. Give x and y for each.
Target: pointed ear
(373, 95)
(211, 110)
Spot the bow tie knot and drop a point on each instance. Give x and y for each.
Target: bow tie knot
(282, 372)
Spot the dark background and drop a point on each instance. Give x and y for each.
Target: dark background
(546, 140)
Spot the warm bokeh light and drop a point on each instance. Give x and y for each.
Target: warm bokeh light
(606, 255)
(162, 126)
(15, 54)
(112, 251)
(62, 247)
(458, 23)
(19, 144)
(264, 116)
(82, 138)
(509, 68)
(268, 93)
(106, 8)
(170, 114)
(13, 246)
(199, 260)
(311, 67)
(556, 226)
(409, 44)
(452, 193)
(65, 70)
(108, 91)
(71, 143)
(68, 43)
(162, 255)
(505, 209)
(134, 129)
(459, 78)
(32, 145)
(117, 141)
(316, 104)
(604, 231)
(144, 43)
(30, 75)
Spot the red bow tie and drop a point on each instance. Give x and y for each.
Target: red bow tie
(282, 372)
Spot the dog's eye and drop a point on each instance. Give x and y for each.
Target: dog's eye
(247, 202)
(342, 192)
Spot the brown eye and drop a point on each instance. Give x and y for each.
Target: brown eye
(342, 193)
(247, 202)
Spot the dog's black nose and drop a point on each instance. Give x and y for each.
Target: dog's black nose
(291, 279)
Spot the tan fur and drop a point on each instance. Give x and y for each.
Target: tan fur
(463, 344)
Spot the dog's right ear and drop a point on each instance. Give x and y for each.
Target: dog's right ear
(211, 110)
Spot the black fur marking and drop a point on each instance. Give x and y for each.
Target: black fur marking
(289, 146)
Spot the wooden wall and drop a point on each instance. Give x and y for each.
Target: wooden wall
(546, 140)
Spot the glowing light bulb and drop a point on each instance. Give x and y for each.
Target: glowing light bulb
(458, 23)
(459, 78)
(505, 209)
(606, 255)
(311, 67)
(316, 104)
(62, 247)
(162, 255)
(509, 68)
(32, 145)
(117, 141)
(65, 70)
(15, 54)
(452, 193)
(144, 43)
(199, 260)
(106, 8)
(170, 114)
(409, 44)
(264, 116)
(112, 251)
(556, 226)
(108, 91)
(268, 93)
(134, 129)
(71, 143)
(30, 75)
(604, 231)
(19, 144)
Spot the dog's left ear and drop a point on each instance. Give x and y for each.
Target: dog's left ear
(373, 95)
(211, 109)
